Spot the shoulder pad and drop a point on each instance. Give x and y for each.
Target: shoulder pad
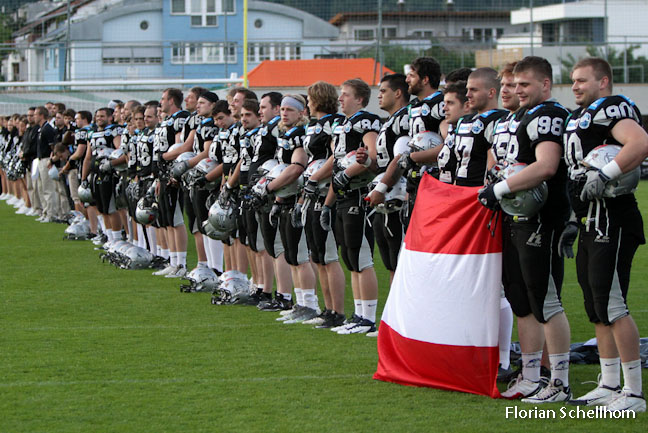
(274, 120)
(534, 109)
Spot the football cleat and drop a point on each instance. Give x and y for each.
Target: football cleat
(362, 327)
(179, 272)
(348, 323)
(552, 393)
(319, 319)
(169, 269)
(600, 396)
(521, 388)
(305, 313)
(289, 314)
(628, 401)
(333, 320)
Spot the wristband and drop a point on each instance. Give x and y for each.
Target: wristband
(381, 188)
(368, 162)
(612, 170)
(500, 189)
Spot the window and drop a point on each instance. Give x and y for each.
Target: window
(389, 32)
(201, 53)
(258, 52)
(364, 35)
(204, 13)
(141, 55)
(177, 6)
(422, 34)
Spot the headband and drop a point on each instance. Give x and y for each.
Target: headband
(289, 101)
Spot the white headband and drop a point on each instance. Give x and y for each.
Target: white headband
(289, 101)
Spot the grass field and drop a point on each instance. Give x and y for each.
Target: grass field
(85, 347)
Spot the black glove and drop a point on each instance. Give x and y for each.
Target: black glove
(273, 216)
(179, 169)
(493, 175)
(341, 180)
(487, 197)
(405, 162)
(325, 218)
(594, 185)
(567, 239)
(311, 189)
(296, 216)
(201, 181)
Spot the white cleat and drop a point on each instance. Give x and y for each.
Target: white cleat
(628, 401)
(602, 395)
(22, 210)
(169, 269)
(552, 393)
(179, 272)
(12, 200)
(521, 388)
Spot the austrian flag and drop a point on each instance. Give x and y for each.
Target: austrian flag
(440, 323)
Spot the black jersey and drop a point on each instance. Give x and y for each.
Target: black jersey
(473, 140)
(447, 160)
(247, 152)
(81, 137)
(319, 134)
(289, 141)
(105, 137)
(501, 137)
(395, 127)
(206, 132)
(587, 129)
(131, 148)
(165, 137)
(145, 151)
(528, 128)
(349, 132)
(426, 114)
(192, 123)
(265, 146)
(231, 147)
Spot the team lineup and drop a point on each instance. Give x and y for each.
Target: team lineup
(281, 187)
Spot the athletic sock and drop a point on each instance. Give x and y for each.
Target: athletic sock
(173, 258)
(531, 366)
(559, 363)
(369, 309)
(203, 265)
(310, 298)
(632, 376)
(505, 330)
(287, 296)
(610, 372)
(217, 254)
(357, 304)
(299, 296)
(181, 258)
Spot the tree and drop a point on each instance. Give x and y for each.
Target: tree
(626, 68)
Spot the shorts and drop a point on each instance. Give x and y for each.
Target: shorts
(603, 265)
(532, 270)
(321, 243)
(196, 207)
(353, 233)
(270, 234)
(293, 239)
(170, 202)
(254, 237)
(104, 194)
(388, 231)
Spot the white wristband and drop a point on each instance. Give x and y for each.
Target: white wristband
(381, 188)
(612, 170)
(500, 189)
(367, 163)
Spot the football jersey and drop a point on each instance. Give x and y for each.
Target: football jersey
(247, 152)
(319, 135)
(206, 132)
(192, 123)
(587, 129)
(544, 122)
(447, 160)
(81, 137)
(231, 147)
(265, 145)
(473, 139)
(501, 137)
(105, 137)
(145, 149)
(426, 114)
(165, 137)
(395, 127)
(131, 148)
(289, 141)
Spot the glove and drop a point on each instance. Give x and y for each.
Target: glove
(341, 180)
(487, 197)
(105, 166)
(179, 169)
(226, 193)
(311, 189)
(567, 239)
(594, 185)
(201, 181)
(296, 216)
(493, 175)
(405, 162)
(273, 216)
(260, 189)
(325, 218)
(85, 184)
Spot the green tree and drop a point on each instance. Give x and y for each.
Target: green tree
(637, 66)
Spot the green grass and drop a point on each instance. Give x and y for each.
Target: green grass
(87, 347)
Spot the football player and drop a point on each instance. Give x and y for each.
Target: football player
(81, 134)
(610, 227)
(145, 179)
(531, 263)
(455, 107)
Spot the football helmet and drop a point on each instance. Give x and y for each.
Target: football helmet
(624, 184)
(146, 211)
(313, 167)
(102, 152)
(424, 141)
(402, 147)
(116, 154)
(526, 203)
(222, 216)
(359, 181)
(79, 230)
(288, 190)
(205, 166)
(137, 258)
(395, 196)
(234, 289)
(85, 195)
(213, 233)
(200, 279)
(180, 164)
(262, 170)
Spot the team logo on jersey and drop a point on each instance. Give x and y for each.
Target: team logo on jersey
(318, 128)
(501, 127)
(464, 128)
(416, 112)
(585, 121)
(513, 126)
(572, 125)
(347, 127)
(477, 127)
(425, 110)
(264, 131)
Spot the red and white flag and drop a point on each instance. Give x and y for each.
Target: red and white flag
(440, 324)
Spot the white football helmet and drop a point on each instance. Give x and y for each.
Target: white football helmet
(402, 147)
(312, 168)
(178, 168)
(425, 141)
(285, 191)
(205, 166)
(624, 184)
(116, 154)
(146, 211)
(78, 230)
(103, 152)
(223, 216)
(395, 197)
(200, 279)
(213, 233)
(525, 203)
(233, 289)
(360, 180)
(137, 258)
(85, 195)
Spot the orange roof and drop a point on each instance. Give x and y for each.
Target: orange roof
(303, 73)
